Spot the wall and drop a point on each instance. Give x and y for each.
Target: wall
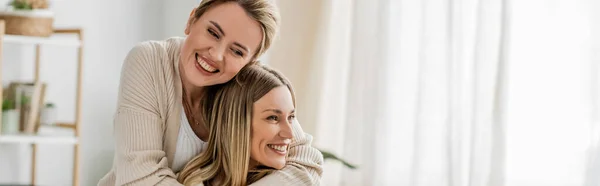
(176, 16)
(111, 28)
(292, 52)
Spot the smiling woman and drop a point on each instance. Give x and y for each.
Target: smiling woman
(251, 125)
(272, 116)
(219, 44)
(159, 124)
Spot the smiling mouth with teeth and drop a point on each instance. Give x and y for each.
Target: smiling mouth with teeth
(205, 66)
(279, 148)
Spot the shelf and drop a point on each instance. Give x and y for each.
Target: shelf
(37, 139)
(52, 40)
(62, 133)
(47, 134)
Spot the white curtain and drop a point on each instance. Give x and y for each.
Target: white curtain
(592, 176)
(410, 91)
(592, 172)
(548, 115)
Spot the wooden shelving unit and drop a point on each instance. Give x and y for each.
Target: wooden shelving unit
(38, 139)
(35, 139)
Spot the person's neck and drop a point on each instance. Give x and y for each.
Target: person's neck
(191, 92)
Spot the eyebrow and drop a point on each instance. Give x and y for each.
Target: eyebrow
(278, 111)
(218, 27)
(223, 33)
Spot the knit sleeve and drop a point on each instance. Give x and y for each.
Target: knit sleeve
(304, 163)
(138, 126)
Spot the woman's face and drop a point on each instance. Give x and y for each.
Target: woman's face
(218, 44)
(272, 119)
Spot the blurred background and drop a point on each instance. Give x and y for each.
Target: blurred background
(412, 92)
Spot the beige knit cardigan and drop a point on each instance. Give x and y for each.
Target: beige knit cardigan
(146, 124)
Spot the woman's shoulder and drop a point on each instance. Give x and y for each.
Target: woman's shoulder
(152, 49)
(154, 53)
(148, 70)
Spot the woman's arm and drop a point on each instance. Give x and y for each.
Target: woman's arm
(303, 166)
(138, 126)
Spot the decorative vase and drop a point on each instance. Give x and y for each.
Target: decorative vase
(10, 121)
(48, 115)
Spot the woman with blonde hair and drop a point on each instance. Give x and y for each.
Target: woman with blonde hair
(250, 121)
(156, 126)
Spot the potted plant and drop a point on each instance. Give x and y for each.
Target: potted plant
(10, 117)
(28, 17)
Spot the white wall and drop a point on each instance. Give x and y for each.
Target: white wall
(111, 28)
(176, 16)
(291, 53)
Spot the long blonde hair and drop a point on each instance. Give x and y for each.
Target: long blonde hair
(263, 11)
(227, 111)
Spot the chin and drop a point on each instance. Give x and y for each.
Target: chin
(198, 82)
(278, 165)
(202, 81)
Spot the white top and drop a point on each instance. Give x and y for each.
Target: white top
(188, 145)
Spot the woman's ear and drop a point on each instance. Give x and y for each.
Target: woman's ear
(190, 21)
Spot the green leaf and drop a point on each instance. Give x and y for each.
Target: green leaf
(328, 155)
(20, 5)
(25, 100)
(8, 104)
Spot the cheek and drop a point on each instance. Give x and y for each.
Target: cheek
(187, 49)
(195, 41)
(255, 144)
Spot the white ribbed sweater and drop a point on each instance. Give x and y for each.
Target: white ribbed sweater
(147, 122)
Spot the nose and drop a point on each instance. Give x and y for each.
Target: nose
(286, 130)
(216, 52)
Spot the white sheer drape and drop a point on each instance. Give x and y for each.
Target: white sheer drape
(592, 176)
(448, 93)
(548, 126)
(408, 90)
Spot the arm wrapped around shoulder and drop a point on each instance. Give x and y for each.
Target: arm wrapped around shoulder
(140, 159)
(138, 126)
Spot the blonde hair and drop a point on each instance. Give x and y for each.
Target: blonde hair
(227, 110)
(263, 11)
